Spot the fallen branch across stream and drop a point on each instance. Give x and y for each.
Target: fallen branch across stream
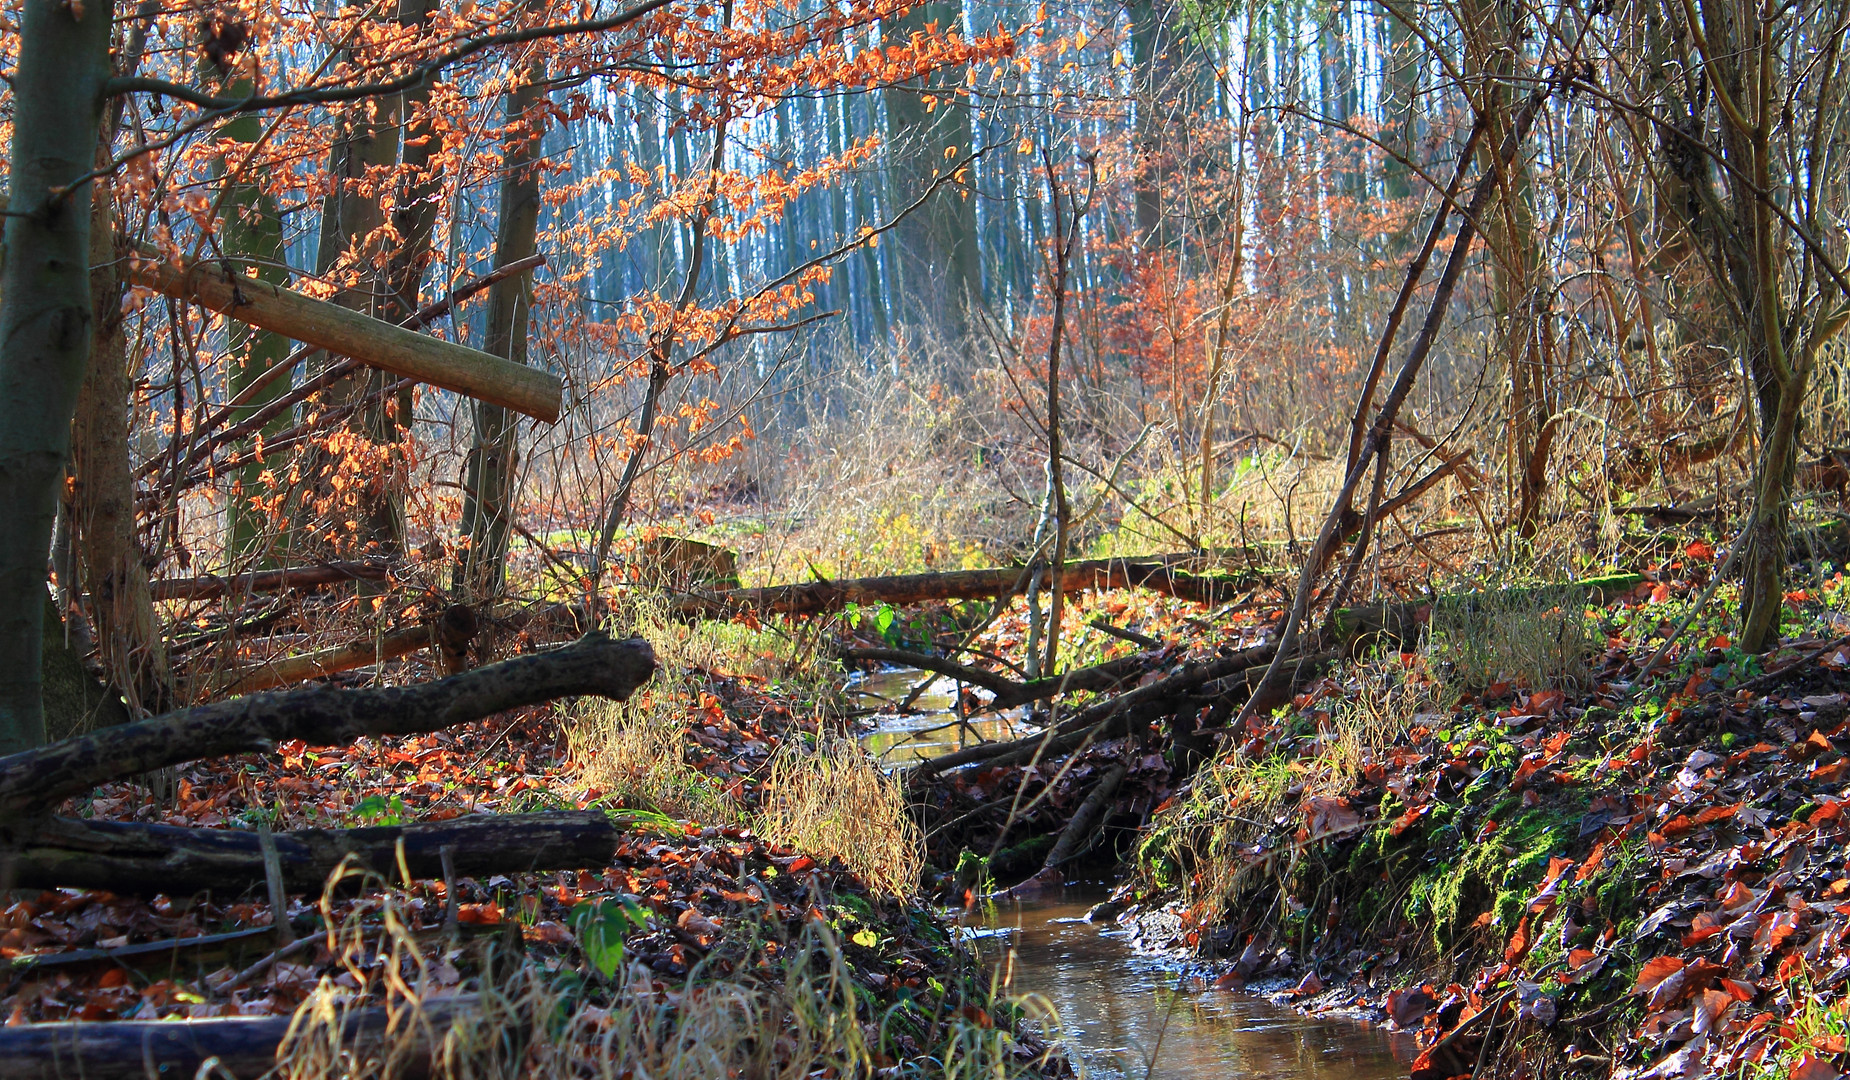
(1070, 732)
(1009, 693)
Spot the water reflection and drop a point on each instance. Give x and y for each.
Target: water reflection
(932, 728)
(1124, 1015)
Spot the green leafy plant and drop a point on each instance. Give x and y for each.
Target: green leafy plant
(601, 928)
(379, 810)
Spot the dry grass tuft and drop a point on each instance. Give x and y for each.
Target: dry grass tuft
(1529, 637)
(833, 801)
(1206, 846)
(635, 753)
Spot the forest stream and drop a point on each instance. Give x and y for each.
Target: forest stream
(1126, 1014)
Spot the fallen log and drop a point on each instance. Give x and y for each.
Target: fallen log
(817, 597)
(137, 858)
(1079, 828)
(196, 948)
(288, 670)
(35, 780)
(343, 332)
(240, 1046)
(213, 586)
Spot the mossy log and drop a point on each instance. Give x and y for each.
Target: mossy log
(480, 375)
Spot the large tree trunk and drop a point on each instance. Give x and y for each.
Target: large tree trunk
(1524, 327)
(490, 471)
(35, 780)
(129, 637)
(75, 702)
(45, 322)
(137, 858)
(935, 249)
(1159, 112)
(249, 229)
(352, 231)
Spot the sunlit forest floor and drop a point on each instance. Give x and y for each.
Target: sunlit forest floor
(1480, 819)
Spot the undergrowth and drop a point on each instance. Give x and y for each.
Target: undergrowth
(797, 1011)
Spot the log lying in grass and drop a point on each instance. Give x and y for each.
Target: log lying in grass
(482, 376)
(35, 780)
(1404, 621)
(212, 586)
(134, 858)
(243, 1046)
(818, 597)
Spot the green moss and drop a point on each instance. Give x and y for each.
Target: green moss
(1501, 872)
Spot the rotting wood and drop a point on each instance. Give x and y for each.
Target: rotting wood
(241, 1046)
(525, 390)
(813, 598)
(213, 586)
(1084, 822)
(34, 780)
(138, 858)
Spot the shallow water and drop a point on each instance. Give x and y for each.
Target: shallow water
(1125, 1017)
(931, 728)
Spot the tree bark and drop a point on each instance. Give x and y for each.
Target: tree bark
(490, 470)
(328, 326)
(45, 321)
(35, 780)
(115, 575)
(141, 859)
